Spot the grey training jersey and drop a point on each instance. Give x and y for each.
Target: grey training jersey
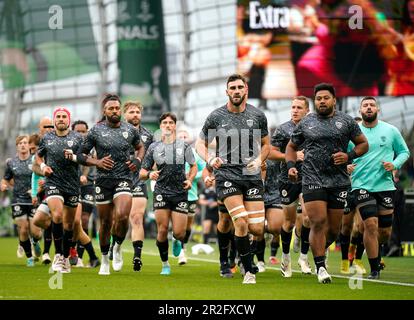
(21, 172)
(147, 138)
(324, 137)
(238, 137)
(281, 139)
(271, 186)
(65, 174)
(170, 160)
(117, 143)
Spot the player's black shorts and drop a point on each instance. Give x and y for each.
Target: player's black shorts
(383, 200)
(272, 206)
(69, 200)
(87, 197)
(350, 204)
(212, 214)
(140, 191)
(335, 197)
(192, 207)
(22, 210)
(108, 189)
(289, 192)
(177, 203)
(252, 190)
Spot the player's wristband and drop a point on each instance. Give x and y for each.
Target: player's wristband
(351, 155)
(42, 166)
(290, 164)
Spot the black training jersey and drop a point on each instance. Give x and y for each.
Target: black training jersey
(271, 186)
(115, 142)
(323, 137)
(147, 138)
(238, 138)
(170, 160)
(21, 172)
(65, 174)
(281, 139)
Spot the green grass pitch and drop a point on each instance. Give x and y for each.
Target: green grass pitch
(197, 280)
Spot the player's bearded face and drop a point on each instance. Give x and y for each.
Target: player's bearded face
(369, 110)
(61, 121)
(113, 111)
(237, 92)
(324, 102)
(133, 116)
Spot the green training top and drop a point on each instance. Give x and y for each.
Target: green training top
(193, 192)
(385, 145)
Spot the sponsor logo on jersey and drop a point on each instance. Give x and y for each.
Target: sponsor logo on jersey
(98, 190)
(158, 197)
(73, 199)
(123, 184)
(362, 191)
(284, 193)
(387, 200)
(16, 208)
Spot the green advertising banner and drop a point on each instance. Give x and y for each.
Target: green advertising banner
(142, 56)
(43, 41)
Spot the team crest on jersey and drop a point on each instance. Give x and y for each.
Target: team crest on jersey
(70, 143)
(249, 122)
(338, 124)
(179, 151)
(125, 134)
(383, 138)
(144, 138)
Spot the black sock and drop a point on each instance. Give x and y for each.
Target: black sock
(319, 262)
(105, 248)
(47, 236)
(223, 240)
(57, 231)
(35, 240)
(253, 248)
(360, 247)
(260, 249)
(67, 242)
(91, 251)
(286, 239)
(80, 249)
(27, 246)
(274, 246)
(163, 249)
(329, 240)
(243, 247)
(117, 239)
(304, 240)
(344, 240)
(137, 248)
(186, 237)
(206, 237)
(354, 239)
(374, 263)
(233, 250)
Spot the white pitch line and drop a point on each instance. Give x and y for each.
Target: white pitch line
(296, 271)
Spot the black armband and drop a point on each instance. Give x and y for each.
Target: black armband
(351, 155)
(290, 164)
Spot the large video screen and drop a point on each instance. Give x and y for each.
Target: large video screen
(362, 47)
